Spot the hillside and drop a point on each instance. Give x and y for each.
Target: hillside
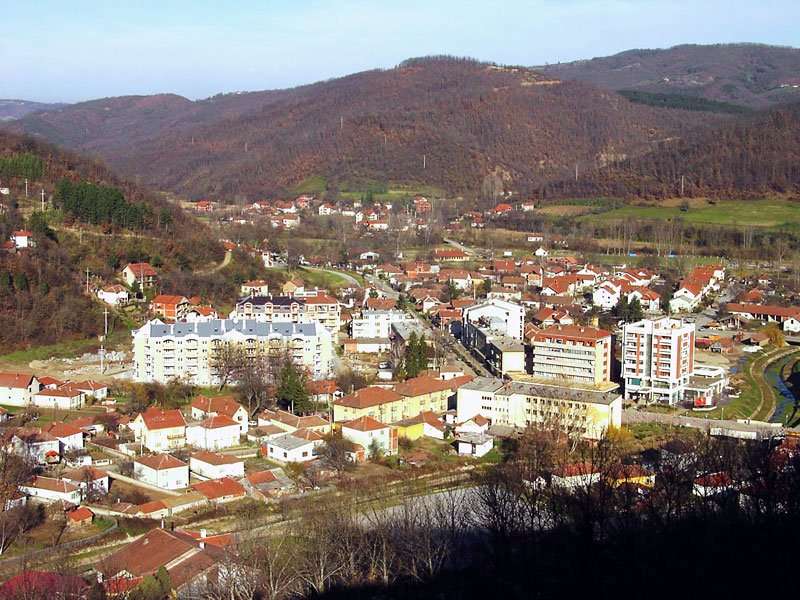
(93, 220)
(16, 109)
(759, 154)
(439, 121)
(752, 75)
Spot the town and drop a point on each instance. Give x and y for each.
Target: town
(408, 370)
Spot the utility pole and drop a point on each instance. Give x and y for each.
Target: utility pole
(682, 178)
(424, 161)
(576, 171)
(87, 281)
(341, 123)
(42, 199)
(245, 147)
(26, 188)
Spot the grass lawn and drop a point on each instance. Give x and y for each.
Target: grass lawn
(758, 213)
(68, 349)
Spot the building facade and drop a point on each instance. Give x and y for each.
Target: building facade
(185, 351)
(657, 359)
(572, 353)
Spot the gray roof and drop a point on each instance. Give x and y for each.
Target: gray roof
(483, 384)
(218, 327)
(274, 300)
(560, 392)
(288, 442)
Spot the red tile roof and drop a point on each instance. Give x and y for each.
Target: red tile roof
(222, 405)
(424, 384)
(80, 514)
(261, 477)
(159, 462)
(15, 380)
(574, 333)
(368, 396)
(142, 270)
(218, 421)
(156, 418)
(219, 488)
(364, 424)
(62, 430)
(216, 458)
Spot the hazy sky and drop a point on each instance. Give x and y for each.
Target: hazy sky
(75, 50)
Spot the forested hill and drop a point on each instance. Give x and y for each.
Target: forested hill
(753, 156)
(438, 120)
(750, 75)
(42, 289)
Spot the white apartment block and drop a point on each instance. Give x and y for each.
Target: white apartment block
(572, 353)
(318, 307)
(185, 351)
(586, 413)
(657, 359)
(377, 323)
(500, 316)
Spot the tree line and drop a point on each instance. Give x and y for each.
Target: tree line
(23, 164)
(100, 204)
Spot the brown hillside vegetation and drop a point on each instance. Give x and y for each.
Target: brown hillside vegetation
(461, 119)
(752, 156)
(754, 75)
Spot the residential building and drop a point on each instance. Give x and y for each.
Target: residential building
(255, 287)
(39, 445)
(220, 491)
(90, 480)
(69, 437)
(290, 423)
(214, 433)
(63, 398)
(583, 412)
(142, 274)
(48, 489)
(161, 470)
(203, 407)
(499, 316)
(17, 389)
(371, 435)
(572, 353)
(213, 465)
(163, 352)
(298, 447)
(657, 359)
(170, 307)
(376, 323)
(113, 294)
(160, 430)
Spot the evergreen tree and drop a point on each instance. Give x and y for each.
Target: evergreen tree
(20, 282)
(292, 392)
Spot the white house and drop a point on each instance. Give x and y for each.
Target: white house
(477, 425)
(85, 477)
(541, 252)
(94, 389)
(214, 465)
(70, 437)
(63, 398)
(574, 475)
(113, 294)
(606, 295)
(368, 432)
(162, 470)
(39, 445)
(214, 433)
(48, 489)
(17, 389)
(292, 447)
(203, 407)
(474, 444)
(22, 239)
(160, 430)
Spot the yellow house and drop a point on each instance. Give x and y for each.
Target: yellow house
(631, 474)
(408, 399)
(425, 424)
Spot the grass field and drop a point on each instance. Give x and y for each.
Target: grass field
(66, 349)
(758, 213)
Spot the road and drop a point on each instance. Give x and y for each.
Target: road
(467, 249)
(381, 285)
(347, 277)
(224, 263)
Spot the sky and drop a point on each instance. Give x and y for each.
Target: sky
(52, 50)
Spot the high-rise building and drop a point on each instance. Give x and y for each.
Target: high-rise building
(657, 359)
(572, 353)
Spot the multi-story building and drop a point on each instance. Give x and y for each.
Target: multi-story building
(584, 412)
(185, 351)
(500, 316)
(493, 331)
(573, 353)
(321, 308)
(376, 323)
(657, 359)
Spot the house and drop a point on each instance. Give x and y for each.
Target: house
(631, 474)
(323, 391)
(190, 562)
(449, 255)
(425, 424)
(369, 433)
(90, 480)
(48, 489)
(712, 484)
(200, 314)
(204, 206)
(22, 239)
(475, 445)
(141, 274)
(70, 437)
(292, 286)
(541, 252)
(291, 447)
(574, 475)
(80, 517)
(63, 398)
(113, 294)
(203, 407)
(502, 209)
(42, 447)
(213, 465)
(267, 483)
(17, 389)
(170, 307)
(160, 430)
(220, 491)
(477, 425)
(290, 423)
(255, 287)
(161, 470)
(214, 433)
(94, 389)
